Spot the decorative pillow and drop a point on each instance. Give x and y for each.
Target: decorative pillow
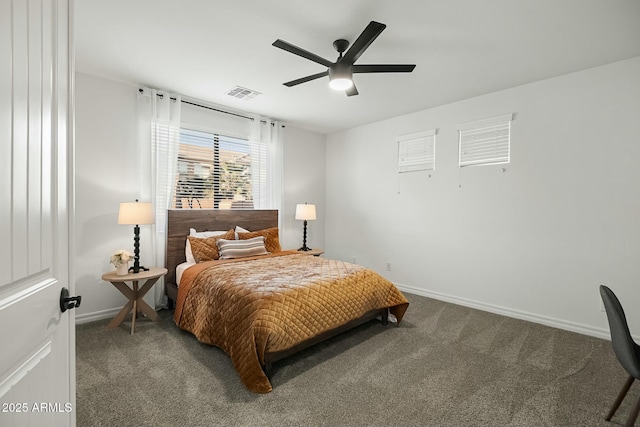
(201, 235)
(241, 248)
(271, 239)
(207, 249)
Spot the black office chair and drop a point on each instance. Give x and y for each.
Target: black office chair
(625, 348)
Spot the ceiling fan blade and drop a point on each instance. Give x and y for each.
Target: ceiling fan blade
(384, 68)
(363, 41)
(306, 79)
(301, 52)
(352, 90)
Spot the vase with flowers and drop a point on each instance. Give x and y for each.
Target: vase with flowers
(120, 260)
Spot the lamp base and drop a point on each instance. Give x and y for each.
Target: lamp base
(136, 251)
(304, 239)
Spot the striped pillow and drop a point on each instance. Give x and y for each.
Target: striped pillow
(241, 248)
(271, 240)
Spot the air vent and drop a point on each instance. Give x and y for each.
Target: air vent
(243, 93)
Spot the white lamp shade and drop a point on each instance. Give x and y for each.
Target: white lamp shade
(136, 213)
(306, 212)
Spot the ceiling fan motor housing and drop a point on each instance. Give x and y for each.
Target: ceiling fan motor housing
(340, 70)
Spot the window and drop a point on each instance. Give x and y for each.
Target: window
(218, 172)
(417, 151)
(485, 142)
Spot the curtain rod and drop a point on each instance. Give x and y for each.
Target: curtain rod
(215, 109)
(208, 108)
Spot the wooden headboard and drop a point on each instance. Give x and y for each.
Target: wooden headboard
(179, 221)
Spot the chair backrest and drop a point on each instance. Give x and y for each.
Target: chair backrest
(623, 345)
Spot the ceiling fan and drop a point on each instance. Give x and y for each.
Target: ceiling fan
(341, 72)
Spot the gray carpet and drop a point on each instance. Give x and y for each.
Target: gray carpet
(446, 365)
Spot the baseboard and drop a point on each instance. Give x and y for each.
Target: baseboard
(509, 312)
(98, 315)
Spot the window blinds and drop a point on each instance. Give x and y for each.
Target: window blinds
(485, 142)
(417, 151)
(218, 172)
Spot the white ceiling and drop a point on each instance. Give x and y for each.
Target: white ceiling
(462, 48)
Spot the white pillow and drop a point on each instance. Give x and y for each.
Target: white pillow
(200, 235)
(240, 230)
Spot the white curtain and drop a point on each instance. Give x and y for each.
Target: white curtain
(159, 120)
(267, 158)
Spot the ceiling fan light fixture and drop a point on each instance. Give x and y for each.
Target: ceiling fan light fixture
(340, 83)
(340, 76)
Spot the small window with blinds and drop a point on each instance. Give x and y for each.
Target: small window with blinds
(217, 172)
(417, 151)
(485, 142)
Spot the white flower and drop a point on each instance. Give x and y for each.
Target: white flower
(120, 257)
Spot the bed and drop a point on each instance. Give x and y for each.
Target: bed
(262, 308)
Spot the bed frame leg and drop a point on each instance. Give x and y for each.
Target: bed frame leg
(385, 316)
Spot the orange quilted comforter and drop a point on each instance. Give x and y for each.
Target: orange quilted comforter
(251, 306)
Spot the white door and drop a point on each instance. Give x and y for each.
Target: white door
(37, 340)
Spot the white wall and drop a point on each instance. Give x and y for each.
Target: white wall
(304, 182)
(107, 173)
(534, 241)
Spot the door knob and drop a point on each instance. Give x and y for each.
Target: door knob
(67, 302)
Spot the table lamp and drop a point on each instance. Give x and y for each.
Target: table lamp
(135, 214)
(305, 212)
